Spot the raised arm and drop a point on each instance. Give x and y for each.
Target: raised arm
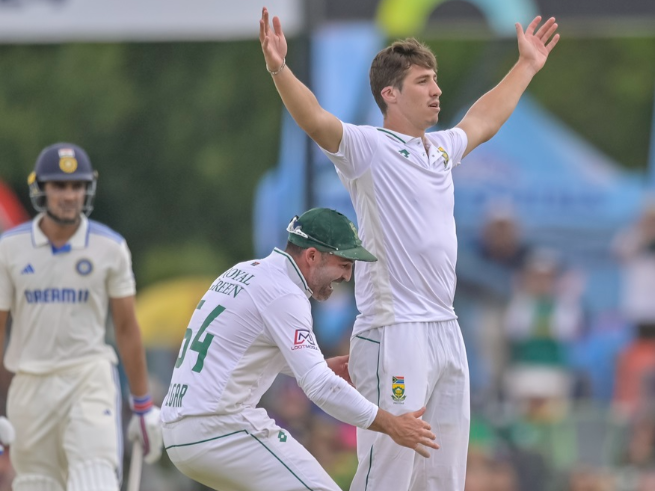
(489, 113)
(321, 126)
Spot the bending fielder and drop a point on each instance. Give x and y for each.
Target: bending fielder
(253, 323)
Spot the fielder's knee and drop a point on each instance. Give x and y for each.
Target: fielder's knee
(93, 475)
(34, 482)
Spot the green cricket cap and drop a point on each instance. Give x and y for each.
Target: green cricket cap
(328, 231)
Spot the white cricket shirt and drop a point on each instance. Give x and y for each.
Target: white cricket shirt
(404, 200)
(58, 298)
(253, 323)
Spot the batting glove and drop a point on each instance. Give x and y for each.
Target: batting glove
(144, 427)
(7, 433)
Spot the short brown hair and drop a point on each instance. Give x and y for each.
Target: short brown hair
(390, 66)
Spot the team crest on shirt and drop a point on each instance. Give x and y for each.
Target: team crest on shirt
(445, 156)
(398, 390)
(84, 267)
(302, 339)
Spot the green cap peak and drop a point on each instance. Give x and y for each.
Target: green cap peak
(328, 231)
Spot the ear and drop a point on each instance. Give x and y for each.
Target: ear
(311, 255)
(389, 94)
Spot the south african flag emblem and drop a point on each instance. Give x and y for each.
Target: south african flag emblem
(398, 389)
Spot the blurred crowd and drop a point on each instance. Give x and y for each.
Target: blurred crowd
(563, 396)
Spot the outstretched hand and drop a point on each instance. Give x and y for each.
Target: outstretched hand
(412, 432)
(274, 44)
(534, 47)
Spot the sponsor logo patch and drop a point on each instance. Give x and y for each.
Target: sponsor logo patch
(304, 338)
(398, 390)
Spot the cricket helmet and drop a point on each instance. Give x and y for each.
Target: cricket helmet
(62, 162)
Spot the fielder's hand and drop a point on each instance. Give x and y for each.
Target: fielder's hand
(7, 433)
(339, 365)
(144, 427)
(412, 432)
(407, 430)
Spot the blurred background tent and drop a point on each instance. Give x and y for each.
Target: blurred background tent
(164, 309)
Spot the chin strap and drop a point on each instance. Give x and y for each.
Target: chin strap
(62, 221)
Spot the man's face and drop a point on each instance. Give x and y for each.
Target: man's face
(329, 268)
(65, 199)
(418, 101)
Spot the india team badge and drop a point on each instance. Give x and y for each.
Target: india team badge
(67, 160)
(84, 267)
(398, 390)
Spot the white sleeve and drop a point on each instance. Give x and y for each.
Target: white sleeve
(336, 397)
(121, 282)
(356, 150)
(289, 324)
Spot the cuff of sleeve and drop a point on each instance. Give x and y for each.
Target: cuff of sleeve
(371, 417)
(141, 405)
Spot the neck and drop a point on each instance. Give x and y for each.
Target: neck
(58, 233)
(403, 127)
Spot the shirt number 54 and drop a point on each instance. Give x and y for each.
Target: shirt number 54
(200, 346)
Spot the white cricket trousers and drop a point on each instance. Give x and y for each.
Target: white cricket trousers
(66, 419)
(402, 368)
(243, 452)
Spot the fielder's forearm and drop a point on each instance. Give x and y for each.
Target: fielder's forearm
(134, 363)
(491, 111)
(130, 346)
(321, 126)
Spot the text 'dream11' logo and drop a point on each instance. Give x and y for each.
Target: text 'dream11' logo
(303, 338)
